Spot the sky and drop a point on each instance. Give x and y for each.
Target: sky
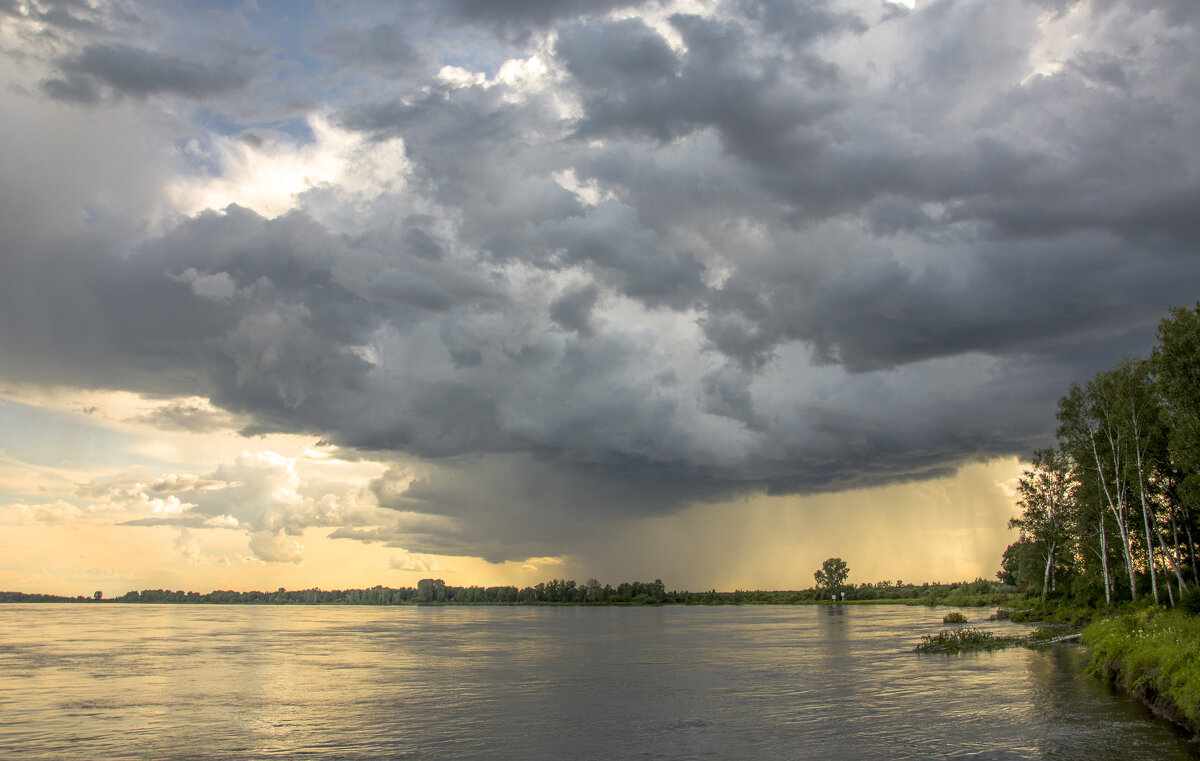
(334, 294)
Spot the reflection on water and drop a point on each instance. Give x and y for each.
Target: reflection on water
(828, 682)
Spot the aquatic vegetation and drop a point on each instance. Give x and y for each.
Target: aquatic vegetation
(966, 639)
(954, 617)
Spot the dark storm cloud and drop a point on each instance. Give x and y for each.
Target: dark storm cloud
(760, 105)
(800, 23)
(386, 48)
(519, 18)
(573, 310)
(617, 54)
(611, 237)
(469, 144)
(197, 306)
(1177, 12)
(999, 298)
(549, 503)
(73, 89)
(186, 417)
(422, 244)
(662, 259)
(139, 73)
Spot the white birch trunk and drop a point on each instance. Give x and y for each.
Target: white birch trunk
(1104, 560)
(1049, 565)
(1137, 449)
(1172, 562)
(1117, 508)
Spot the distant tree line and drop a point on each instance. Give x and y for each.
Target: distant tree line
(36, 597)
(555, 591)
(1110, 513)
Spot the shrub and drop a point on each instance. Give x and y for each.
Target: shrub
(954, 617)
(1190, 601)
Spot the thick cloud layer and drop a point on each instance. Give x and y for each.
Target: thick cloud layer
(594, 260)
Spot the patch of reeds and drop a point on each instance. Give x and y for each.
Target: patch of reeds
(966, 639)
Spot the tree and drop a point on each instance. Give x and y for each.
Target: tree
(1176, 360)
(1129, 451)
(1021, 564)
(591, 590)
(431, 590)
(1046, 491)
(1090, 419)
(1078, 436)
(1177, 367)
(832, 575)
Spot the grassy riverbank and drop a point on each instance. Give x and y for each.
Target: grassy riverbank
(1149, 652)
(1154, 655)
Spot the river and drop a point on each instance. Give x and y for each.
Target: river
(169, 682)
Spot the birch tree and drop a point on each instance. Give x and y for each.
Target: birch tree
(1046, 490)
(1176, 362)
(1077, 432)
(1136, 412)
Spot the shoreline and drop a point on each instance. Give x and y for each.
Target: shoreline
(908, 602)
(1151, 656)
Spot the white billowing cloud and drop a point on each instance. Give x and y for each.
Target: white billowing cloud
(222, 521)
(277, 547)
(270, 497)
(187, 544)
(517, 75)
(263, 493)
(164, 507)
(268, 171)
(536, 564)
(48, 512)
(457, 76)
(408, 561)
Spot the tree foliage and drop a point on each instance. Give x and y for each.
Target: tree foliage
(1046, 490)
(1112, 510)
(832, 575)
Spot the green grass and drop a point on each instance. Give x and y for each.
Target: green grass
(1154, 654)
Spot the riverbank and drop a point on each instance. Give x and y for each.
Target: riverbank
(1153, 655)
(1149, 653)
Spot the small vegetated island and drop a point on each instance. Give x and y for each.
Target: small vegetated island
(1105, 548)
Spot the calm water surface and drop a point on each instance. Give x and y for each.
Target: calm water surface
(217, 682)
